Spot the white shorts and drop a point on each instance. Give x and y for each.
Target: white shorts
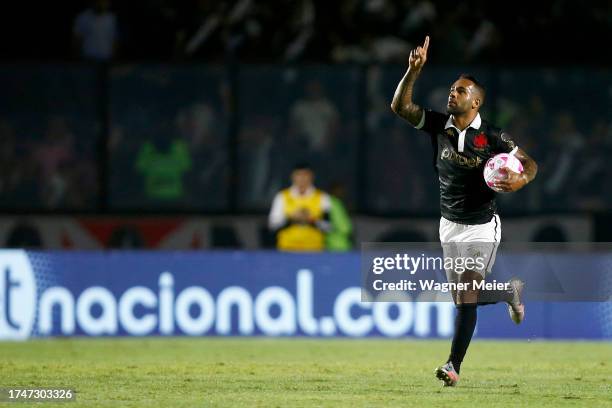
(479, 241)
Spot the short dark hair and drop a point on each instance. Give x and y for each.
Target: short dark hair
(479, 85)
(302, 166)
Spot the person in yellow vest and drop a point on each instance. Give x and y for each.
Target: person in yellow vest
(299, 214)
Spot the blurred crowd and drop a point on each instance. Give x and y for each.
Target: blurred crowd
(206, 136)
(178, 141)
(476, 31)
(53, 169)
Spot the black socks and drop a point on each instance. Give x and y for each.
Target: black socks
(490, 297)
(465, 323)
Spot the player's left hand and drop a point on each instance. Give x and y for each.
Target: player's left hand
(513, 182)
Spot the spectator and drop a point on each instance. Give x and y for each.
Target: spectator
(299, 213)
(567, 144)
(338, 238)
(256, 160)
(11, 166)
(53, 155)
(163, 162)
(592, 174)
(57, 146)
(95, 32)
(314, 118)
(203, 130)
(24, 235)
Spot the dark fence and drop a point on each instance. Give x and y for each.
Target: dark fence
(222, 139)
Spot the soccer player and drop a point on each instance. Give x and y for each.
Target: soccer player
(469, 226)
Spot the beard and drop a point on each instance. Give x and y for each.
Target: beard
(454, 110)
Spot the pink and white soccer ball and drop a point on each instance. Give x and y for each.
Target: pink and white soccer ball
(495, 168)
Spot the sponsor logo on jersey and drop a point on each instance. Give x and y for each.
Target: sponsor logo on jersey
(461, 160)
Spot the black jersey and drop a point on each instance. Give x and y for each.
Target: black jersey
(459, 159)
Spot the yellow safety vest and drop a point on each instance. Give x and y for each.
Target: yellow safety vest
(298, 237)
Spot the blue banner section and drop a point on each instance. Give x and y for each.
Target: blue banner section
(240, 294)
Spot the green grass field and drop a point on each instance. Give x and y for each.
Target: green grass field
(177, 372)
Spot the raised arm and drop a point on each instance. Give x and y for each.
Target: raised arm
(402, 103)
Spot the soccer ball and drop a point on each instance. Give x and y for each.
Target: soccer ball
(495, 168)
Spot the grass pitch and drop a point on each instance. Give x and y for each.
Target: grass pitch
(189, 372)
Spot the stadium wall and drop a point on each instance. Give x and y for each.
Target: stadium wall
(238, 293)
(249, 232)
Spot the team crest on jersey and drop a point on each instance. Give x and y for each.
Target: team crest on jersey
(449, 132)
(480, 141)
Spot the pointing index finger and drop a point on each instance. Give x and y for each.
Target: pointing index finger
(426, 43)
